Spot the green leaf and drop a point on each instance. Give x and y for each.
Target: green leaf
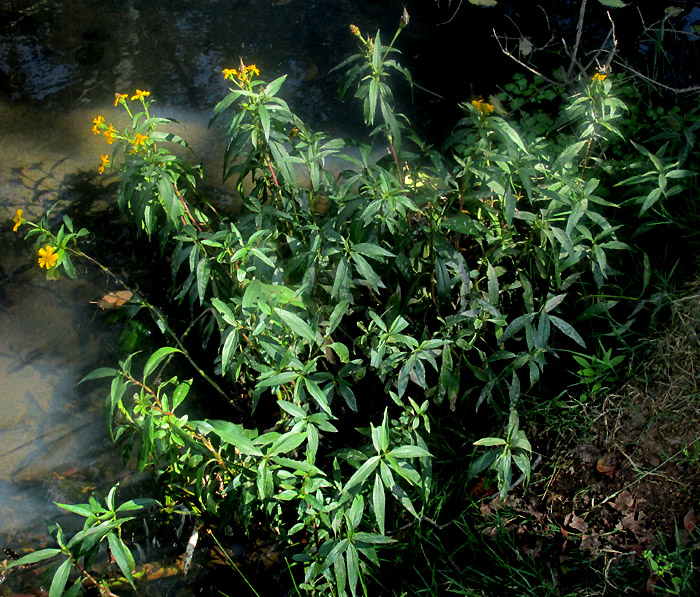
(362, 473)
(123, 557)
(410, 452)
(353, 568)
(569, 154)
(339, 312)
(317, 394)
(379, 502)
(490, 441)
(234, 435)
(493, 287)
(101, 372)
(35, 556)
(79, 509)
(287, 442)
(568, 329)
(294, 410)
(516, 325)
(181, 392)
(278, 379)
(297, 325)
(60, 578)
(612, 3)
(229, 349)
(373, 538)
(274, 87)
(203, 273)
(156, 358)
(373, 251)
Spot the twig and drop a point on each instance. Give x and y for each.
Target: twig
(674, 89)
(453, 16)
(521, 63)
(614, 50)
(577, 43)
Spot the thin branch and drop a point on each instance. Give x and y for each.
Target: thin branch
(520, 62)
(579, 32)
(674, 89)
(614, 50)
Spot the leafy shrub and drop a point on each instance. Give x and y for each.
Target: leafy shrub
(340, 309)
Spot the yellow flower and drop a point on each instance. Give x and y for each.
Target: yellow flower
(140, 94)
(109, 134)
(483, 107)
(47, 257)
(105, 162)
(96, 123)
(599, 77)
(229, 73)
(355, 30)
(252, 69)
(139, 139)
(120, 97)
(17, 220)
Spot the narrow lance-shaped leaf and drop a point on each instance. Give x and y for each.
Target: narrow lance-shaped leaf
(379, 502)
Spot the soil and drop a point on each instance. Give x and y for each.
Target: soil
(628, 486)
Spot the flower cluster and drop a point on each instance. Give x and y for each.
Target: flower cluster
(242, 74)
(599, 77)
(483, 107)
(110, 133)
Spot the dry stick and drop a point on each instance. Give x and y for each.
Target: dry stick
(674, 89)
(521, 63)
(577, 43)
(614, 50)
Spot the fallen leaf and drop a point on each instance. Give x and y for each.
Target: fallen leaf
(636, 526)
(114, 300)
(690, 522)
(624, 501)
(576, 522)
(606, 464)
(590, 543)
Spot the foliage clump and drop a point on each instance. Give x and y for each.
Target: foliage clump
(350, 315)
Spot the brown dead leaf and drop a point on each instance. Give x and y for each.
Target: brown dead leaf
(590, 543)
(690, 522)
(635, 524)
(606, 464)
(576, 522)
(624, 502)
(114, 300)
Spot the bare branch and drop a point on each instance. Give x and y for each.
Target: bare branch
(520, 62)
(579, 32)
